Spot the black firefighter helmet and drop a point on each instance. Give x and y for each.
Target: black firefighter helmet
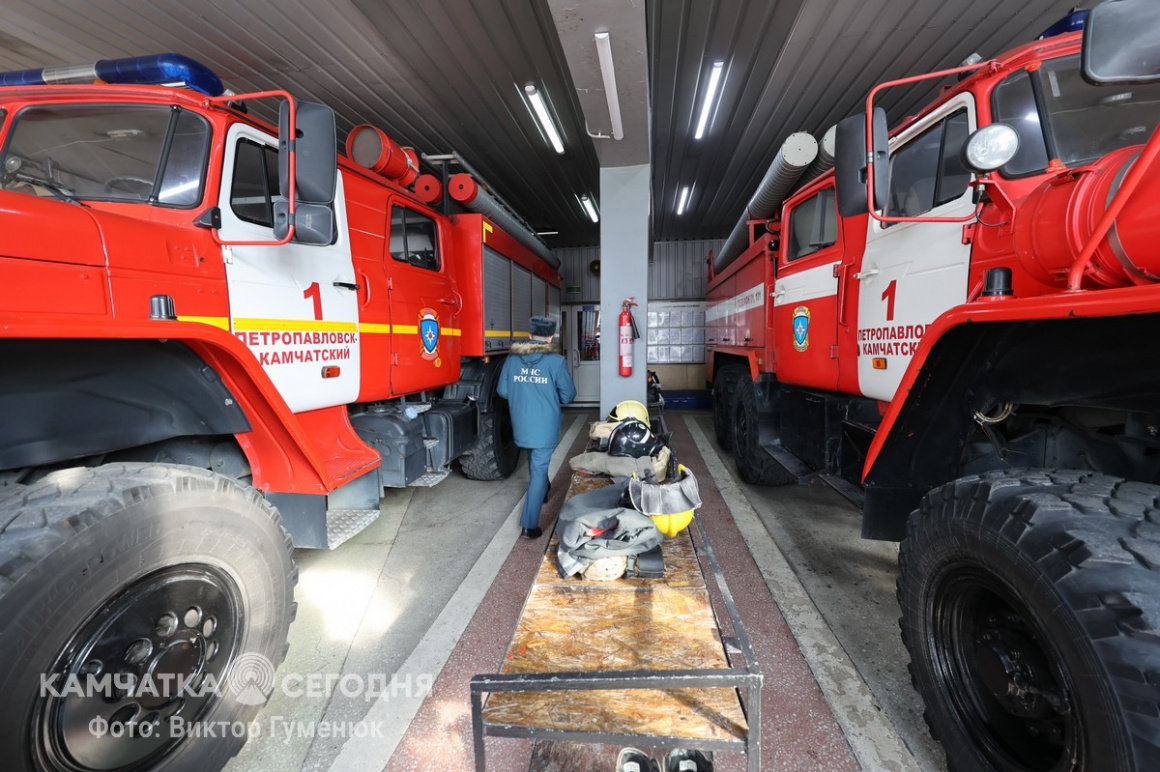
(632, 439)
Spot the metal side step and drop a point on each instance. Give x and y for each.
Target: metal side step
(341, 524)
(431, 478)
(430, 442)
(846, 489)
(788, 461)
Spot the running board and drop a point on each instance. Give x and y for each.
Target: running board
(788, 461)
(431, 478)
(341, 524)
(846, 489)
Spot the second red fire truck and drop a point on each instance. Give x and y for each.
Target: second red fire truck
(957, 328)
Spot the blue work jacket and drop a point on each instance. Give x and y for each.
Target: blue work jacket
(535, 382)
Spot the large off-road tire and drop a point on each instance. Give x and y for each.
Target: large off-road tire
(172, 587)
(754, 465)
(1030, 603)
(724, 383)
(496, 454)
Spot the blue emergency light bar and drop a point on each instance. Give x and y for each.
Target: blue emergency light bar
(1073, 22)
(156, 69)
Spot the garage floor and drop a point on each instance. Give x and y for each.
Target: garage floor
(392, 625)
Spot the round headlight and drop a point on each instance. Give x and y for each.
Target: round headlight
(990, 147)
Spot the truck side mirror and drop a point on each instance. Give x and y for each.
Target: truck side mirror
(850, 164)
(1120, 44)
(316, 165)
(313, 223)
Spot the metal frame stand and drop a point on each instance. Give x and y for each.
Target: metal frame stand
(748, 678)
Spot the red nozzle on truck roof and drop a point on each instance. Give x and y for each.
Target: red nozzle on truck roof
(370, 146)
(463, 188)
(428, 189)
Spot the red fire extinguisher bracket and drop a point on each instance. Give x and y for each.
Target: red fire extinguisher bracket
(629, 332)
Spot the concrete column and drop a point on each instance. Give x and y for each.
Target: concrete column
(624, 168)
(624, 245)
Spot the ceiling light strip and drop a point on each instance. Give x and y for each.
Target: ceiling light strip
(540, 111)
(710, 98)
(608, 72)
(590, 208)
(683, 201)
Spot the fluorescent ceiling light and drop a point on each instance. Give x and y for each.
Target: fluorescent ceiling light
(590, 208)
(683, 201)
(540, 110)
(604, 53)
(710, 96)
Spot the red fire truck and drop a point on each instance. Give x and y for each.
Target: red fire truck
(220, 341)
(972, 358)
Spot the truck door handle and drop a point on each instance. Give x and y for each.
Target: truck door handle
(779, 292)
(348, 285)
(866, 274)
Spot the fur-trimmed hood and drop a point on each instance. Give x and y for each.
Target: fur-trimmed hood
(523, 347)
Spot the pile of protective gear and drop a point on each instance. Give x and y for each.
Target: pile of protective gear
(617, 530)
(593, 528)
(623, 445)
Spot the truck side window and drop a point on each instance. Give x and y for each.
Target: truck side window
(184, 174)
(928, 172)
(414, 238)
(813, 225)
(953, 176)
(1013, 103)
(255, 186)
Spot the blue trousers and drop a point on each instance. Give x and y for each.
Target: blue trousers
(538, 459)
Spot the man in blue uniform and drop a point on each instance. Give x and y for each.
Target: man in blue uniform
(535, 382)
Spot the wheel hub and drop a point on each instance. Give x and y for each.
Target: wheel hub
(1012, 669)
(177, 664)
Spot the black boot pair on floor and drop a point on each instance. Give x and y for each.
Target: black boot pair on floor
(679, 760)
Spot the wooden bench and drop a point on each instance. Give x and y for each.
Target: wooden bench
(624, 661)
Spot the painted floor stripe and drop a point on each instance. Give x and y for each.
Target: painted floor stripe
(431, 654)
(872, 738)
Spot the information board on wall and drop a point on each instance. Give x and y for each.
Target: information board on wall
(676, 332)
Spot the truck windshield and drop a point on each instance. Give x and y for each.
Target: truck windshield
(1060, 115)
(152, 154)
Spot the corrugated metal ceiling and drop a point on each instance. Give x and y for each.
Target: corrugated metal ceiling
(446, 75)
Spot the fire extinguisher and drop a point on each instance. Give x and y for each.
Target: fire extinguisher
(628, 333)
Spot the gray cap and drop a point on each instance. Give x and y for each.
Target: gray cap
(542, 326)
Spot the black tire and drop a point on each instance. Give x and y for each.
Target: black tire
(1030, 601)
(496, 454)
(128, 570)
(724, 383)
(754, 465)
